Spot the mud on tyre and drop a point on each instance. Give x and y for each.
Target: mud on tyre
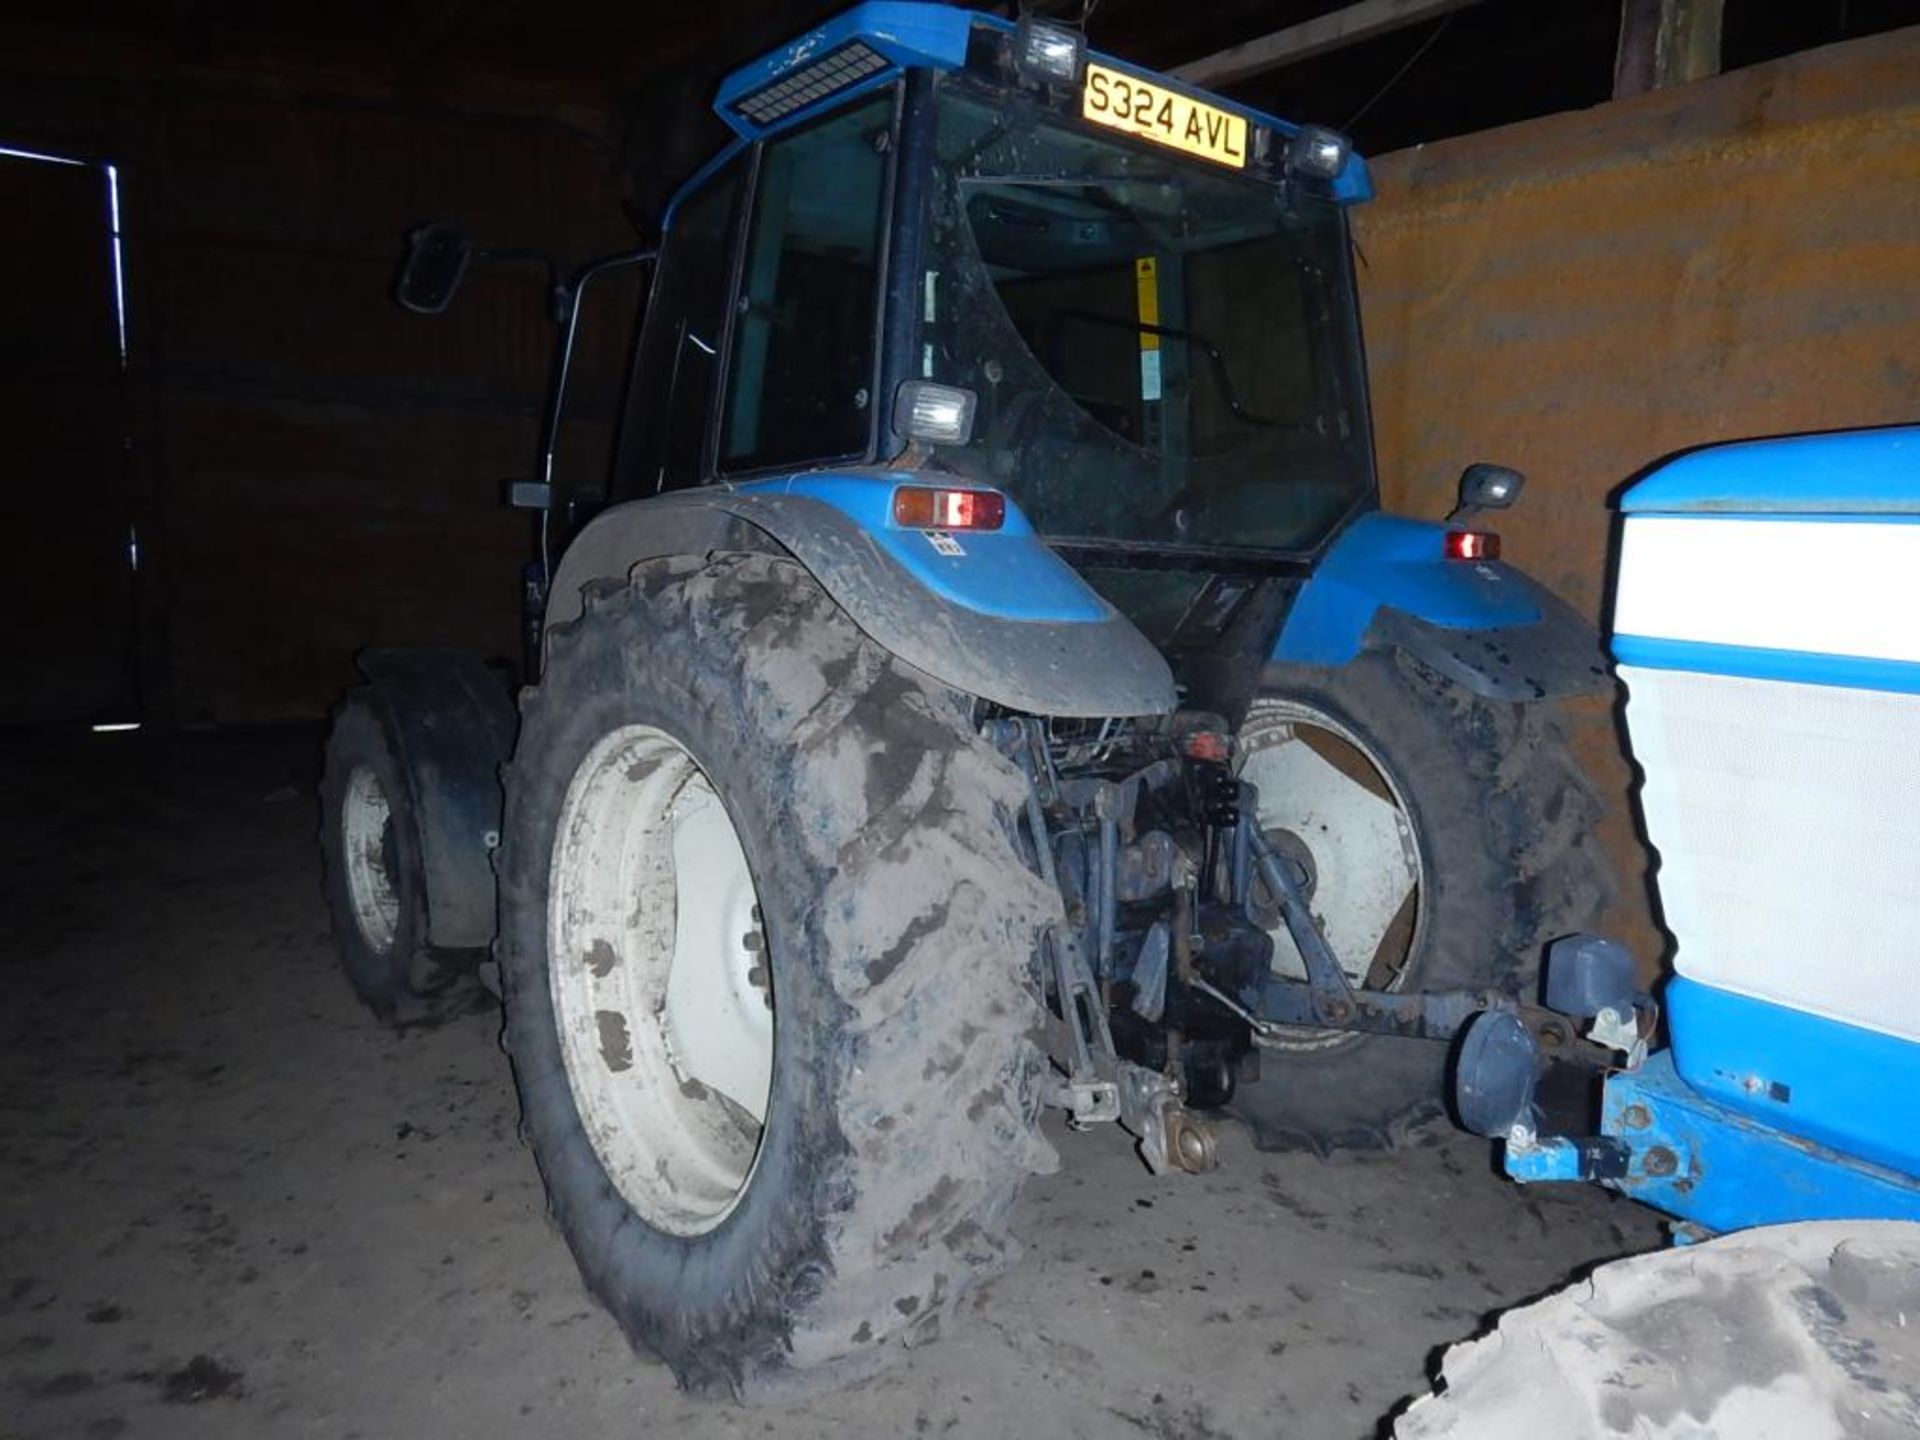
(860, 1182)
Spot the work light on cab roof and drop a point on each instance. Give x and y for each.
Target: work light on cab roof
(1048, 52)
(871, 45)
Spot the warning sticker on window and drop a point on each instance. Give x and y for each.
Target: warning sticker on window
(1146, 287)
(1149, 374)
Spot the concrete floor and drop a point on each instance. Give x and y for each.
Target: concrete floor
(231, 1206)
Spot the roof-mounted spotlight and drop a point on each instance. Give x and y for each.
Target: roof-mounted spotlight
(1047, 54)
(1317, 152)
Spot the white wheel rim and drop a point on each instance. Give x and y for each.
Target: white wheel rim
(661, 986)
(1366, 858)
(366, 835)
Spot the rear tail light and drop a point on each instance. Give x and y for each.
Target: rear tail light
(1207, 745)
(920, 507)
(1472, 545)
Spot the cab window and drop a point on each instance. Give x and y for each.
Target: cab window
(801, 365)
(671, 404)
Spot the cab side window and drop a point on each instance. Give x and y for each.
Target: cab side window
(675, 372)
(802, 358)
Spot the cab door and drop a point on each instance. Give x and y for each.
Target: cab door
(669, 412)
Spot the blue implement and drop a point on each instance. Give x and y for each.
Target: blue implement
(1753, 662)
(1827, 1082)
(1850, 472)
(1710, 1164)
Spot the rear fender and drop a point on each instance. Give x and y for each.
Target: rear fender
(452, 721)
(997, 615)
(1386, 585)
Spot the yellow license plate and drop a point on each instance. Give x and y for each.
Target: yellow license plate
(1166, 117)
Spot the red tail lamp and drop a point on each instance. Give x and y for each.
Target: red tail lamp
(1472, 545)
(1208, 745)
(921, 507)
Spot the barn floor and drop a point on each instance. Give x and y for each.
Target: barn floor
(232, 1206)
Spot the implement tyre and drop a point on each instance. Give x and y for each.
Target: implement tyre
(766, 946)
(1796, 1330)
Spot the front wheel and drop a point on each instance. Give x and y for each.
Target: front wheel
(1445, 838)
(766, 945)
(374, 879)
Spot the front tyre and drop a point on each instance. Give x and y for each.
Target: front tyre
(766, 943)
(373, 877)
(1446, 839)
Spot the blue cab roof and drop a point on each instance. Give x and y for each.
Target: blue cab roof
(904, 33)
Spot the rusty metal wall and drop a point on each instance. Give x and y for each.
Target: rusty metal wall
(1585, 294)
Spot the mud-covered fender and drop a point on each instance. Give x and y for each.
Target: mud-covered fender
(452, 721)
(1385, 584)
(994, 614)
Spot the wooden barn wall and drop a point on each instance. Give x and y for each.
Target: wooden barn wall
(1584, 294)
(320, 470)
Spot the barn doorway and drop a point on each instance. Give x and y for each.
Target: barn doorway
(72, 555)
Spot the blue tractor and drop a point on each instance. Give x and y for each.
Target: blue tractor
(988, 684)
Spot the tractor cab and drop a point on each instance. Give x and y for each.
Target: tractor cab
(948, 243)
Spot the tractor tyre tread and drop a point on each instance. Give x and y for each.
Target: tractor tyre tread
(1505, 819)
(901, 924)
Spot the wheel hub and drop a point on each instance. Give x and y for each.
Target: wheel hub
(1297, 853)
(367, 846)
(1331, 806)
(661, 980)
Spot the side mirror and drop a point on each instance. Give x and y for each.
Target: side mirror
(437, 256)
(1488, 487)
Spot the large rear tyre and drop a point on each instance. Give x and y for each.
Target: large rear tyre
(766, 945)
(1446, 838)
(373, 878)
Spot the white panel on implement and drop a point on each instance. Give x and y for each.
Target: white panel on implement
(1787, 822)
(1785, 813)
